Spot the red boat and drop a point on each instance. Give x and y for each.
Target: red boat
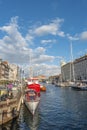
(32, 96)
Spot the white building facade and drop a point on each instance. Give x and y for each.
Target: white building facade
(13, 73)
(76, 70)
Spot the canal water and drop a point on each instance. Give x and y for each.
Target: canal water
(60, 108)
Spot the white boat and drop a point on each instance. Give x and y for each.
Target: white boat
(80, 86)
(61, 84)
(31, 103)
(32, 92)
(32, 96)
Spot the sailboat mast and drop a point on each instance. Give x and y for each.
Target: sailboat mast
(73, 73)
(30, 67)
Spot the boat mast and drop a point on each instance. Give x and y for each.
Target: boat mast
(30, 68)
(73, 72)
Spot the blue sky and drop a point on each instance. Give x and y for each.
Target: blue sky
(42, 30)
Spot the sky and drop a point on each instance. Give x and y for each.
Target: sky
(39, 33)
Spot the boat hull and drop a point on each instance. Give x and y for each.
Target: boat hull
(43, 88)
(79, 88)
(32, 97)
(32, 105)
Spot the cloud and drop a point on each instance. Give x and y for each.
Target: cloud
(29, 38)
(52, 28)
(13, 35)
(61, 34)
(39, 59)
(46, 29)
(83, 35)
(48, 41)
(50, 69)
(37, 52)
(13, 42)
(72, 38)
(16, 48)
(40, 50)
(43, 69)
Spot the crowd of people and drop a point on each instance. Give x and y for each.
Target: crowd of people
(6, 92)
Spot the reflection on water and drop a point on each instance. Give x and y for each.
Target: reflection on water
(31, 121)
(11, 125)
(26, 121)
(59, 109)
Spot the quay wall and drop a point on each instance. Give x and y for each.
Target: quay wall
(9, 109)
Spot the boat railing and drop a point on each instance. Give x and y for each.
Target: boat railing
(32, 96)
